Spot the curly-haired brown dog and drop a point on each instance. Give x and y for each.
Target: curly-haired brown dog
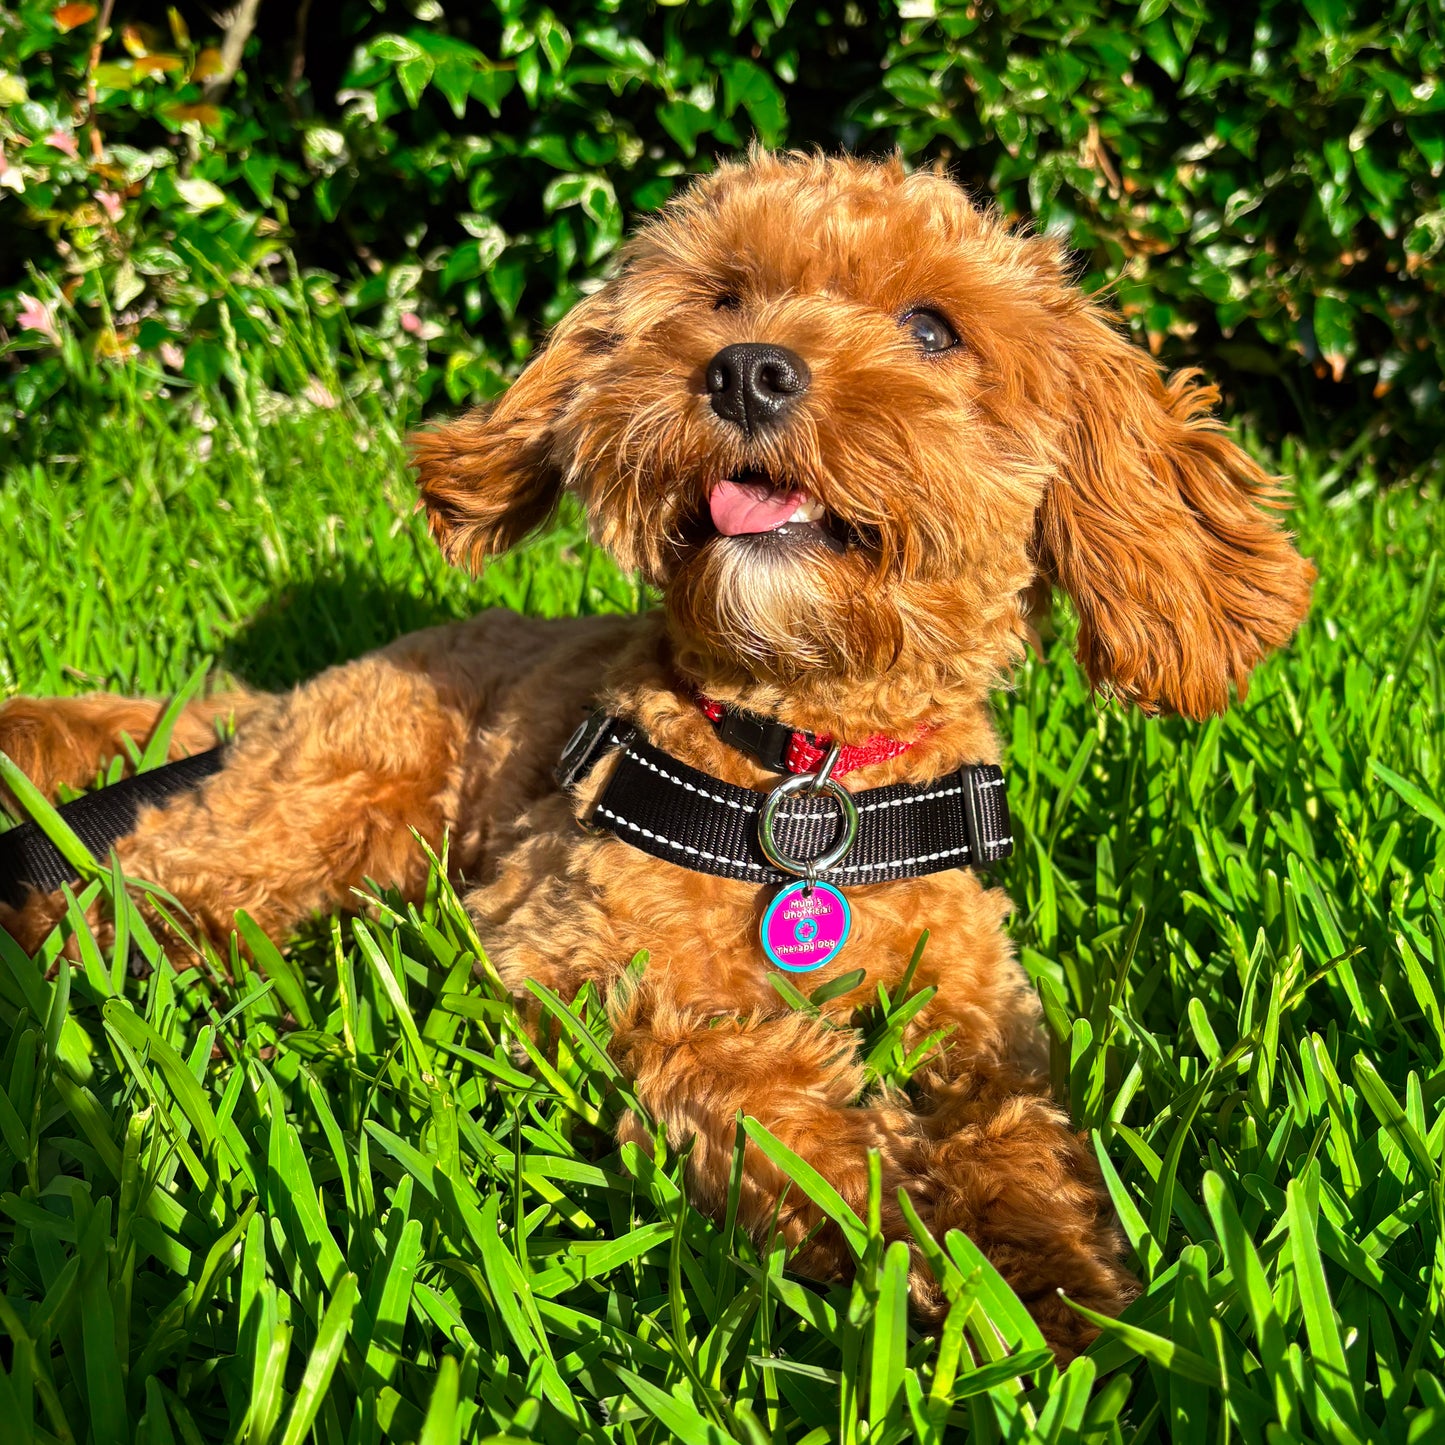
(952, 426)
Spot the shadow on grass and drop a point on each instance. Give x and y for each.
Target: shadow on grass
(316, 623)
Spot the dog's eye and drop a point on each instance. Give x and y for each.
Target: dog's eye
(727, 302)
(930, 330)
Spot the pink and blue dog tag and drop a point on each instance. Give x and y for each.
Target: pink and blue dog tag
(804, 928)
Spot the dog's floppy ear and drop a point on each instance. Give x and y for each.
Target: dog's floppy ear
(492, 476)
(1162, 531)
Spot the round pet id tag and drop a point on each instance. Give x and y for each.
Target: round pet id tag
(805, 928)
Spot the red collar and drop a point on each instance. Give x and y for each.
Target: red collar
(784, 749)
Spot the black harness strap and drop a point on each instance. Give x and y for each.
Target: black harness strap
(28, 859)
(673, 811)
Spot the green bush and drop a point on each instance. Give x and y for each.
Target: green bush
(1261, 182)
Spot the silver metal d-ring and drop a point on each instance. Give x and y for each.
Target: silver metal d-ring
(807, 867)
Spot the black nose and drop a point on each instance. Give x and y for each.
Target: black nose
(753, 384)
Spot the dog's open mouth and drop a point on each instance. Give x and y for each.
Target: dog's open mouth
(753, 504)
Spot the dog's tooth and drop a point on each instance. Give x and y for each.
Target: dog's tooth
(808, 511)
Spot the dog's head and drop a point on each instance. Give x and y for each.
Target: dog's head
(849, 424)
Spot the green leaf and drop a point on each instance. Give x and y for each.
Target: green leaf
(442, 1425)
(104, 1381)
(124, 1023)
(837, 987)
(198, 194)
(1244, 1265)
(749, 86)
(812, 1184)
(316, 1378)
(282, 973)
(1414, 797)
(889, 1338)
(47, 819)
(1335, 1409)
(681, 1419)
(157, 747)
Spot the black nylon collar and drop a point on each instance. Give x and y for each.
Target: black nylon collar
(673, 811)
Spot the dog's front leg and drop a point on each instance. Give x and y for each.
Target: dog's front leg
(1014, 1178)
(695, 1072)
(1005, 1167)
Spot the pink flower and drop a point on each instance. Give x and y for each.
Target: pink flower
(321, 395)
(172, 355)
(411, 322)
(111, 204)
(35, 315)
(63, 140)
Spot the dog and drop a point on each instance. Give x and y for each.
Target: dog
(854, 429)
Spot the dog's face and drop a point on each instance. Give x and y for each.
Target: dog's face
(847, 422)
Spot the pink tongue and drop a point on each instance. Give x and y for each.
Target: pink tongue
(738, 508)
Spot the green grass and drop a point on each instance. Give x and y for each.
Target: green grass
(343, 1197)
(270, 533)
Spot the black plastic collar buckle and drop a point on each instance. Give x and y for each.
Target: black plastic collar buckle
(990, 827)
(582, 748)
(767, 741)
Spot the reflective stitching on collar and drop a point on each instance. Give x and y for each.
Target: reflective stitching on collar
(873, 807)
(681, 847)
(681, 783)
(896, 863)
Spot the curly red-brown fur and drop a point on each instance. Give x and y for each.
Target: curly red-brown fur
(1041, 450)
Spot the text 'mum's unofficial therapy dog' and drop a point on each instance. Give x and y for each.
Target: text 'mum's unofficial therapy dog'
(853, 428)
